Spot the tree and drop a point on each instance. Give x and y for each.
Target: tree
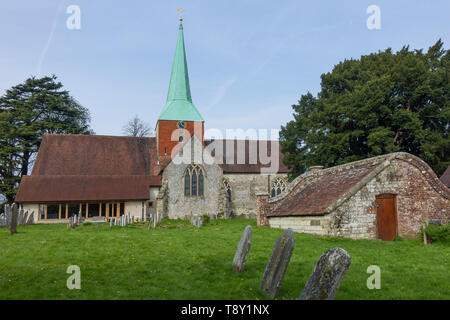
(383, 102)
(137, 128)
(27, 112)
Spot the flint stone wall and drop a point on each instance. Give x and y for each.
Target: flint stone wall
(418, 198)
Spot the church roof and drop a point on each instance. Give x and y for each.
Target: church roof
(93, 167)
(179, 104)
(90, 167)
(48, 188)
(251, 148)
(320, 192)
(445, 178)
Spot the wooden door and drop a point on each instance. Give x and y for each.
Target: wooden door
(386, 217)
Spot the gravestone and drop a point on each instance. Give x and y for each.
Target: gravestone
(110, 222)
(277, 264)
(70, 222)
(30, 218)
(25, 218)
(197, 221)
(156, 220)
(19, 217)
(7, 214)
(13, 219)
(243, 248)
(327, 276)
(150, 216)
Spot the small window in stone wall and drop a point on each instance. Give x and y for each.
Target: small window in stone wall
(227, 187)
(278, 186)
(315, 223)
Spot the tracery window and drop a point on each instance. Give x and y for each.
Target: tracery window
(278, 186)
(227, 187)
(194, 180)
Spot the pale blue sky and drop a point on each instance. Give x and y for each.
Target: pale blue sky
(249, 61)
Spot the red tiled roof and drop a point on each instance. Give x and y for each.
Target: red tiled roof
(91, 167)
(93, 155)
(445, 178)
(315, 193)
(320, 192)
(48, 188)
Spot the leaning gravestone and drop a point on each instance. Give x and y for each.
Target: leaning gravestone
(24, 217)
(277, 264)
(13, 219)
(324, 281)
(240, 257)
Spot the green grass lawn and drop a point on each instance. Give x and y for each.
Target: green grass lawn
(178, 261)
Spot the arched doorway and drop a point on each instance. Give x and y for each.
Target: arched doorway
(386, 217)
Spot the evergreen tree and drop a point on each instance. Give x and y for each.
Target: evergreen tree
(383, 102)
(27, 112)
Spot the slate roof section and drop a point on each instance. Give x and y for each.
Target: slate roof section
(445, 178)
(85, 188)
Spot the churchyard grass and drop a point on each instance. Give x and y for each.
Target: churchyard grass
(180, 261)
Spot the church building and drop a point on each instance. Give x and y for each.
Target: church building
(178, 173)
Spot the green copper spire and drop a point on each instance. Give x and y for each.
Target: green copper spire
(179, 104)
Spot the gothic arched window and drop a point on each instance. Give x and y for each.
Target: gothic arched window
(194, 181)
(278, 186)
(227, 187)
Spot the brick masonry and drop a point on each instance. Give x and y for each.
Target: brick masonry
(420, 197)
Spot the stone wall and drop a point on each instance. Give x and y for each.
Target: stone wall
(244, 188)
(416, 201)
(313, 225)
(180, 206)
(420, 196)
(134, 208)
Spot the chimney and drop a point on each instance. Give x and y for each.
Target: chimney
(315, 168)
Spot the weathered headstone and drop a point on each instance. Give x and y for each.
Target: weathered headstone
(110, 222)
(13, 219)
(7, 214)
(20, 217)
(197, 220)
(156, 220)
(150, 216)
(277, 264)
(243, 248)
(324, 281)
(25, 218)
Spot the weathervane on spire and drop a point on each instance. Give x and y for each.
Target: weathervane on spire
(180, 11)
